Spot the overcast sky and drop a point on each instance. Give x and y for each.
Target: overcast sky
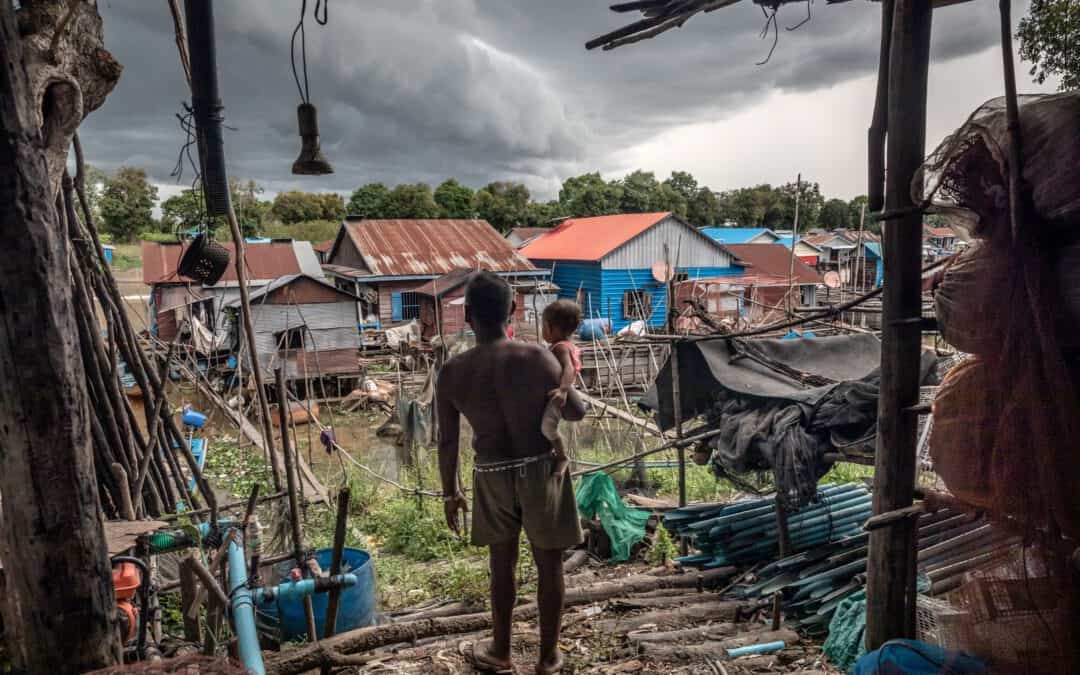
(482, 90)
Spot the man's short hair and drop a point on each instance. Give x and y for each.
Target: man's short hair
(488, 298)
(564, 315)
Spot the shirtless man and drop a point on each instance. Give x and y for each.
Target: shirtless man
(501, 388)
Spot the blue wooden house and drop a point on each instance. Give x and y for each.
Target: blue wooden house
(606, 263)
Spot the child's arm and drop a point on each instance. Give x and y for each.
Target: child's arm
(566, 363)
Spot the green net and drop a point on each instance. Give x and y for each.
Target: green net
(598, 498)
(846, 630)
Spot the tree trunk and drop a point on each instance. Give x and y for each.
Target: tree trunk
(59, 609)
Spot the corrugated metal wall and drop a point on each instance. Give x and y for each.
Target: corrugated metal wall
(604, 288)
(687, 248)
(332, 325)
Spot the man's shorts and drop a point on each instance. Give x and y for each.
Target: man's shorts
(529, 496)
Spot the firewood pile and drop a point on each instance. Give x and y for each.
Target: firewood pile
(138, 473)
(623, 619)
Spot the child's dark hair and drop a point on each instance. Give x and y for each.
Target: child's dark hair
(563, 315)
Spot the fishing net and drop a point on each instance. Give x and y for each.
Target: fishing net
(624, 526)
(846, 642)
(1004, 424)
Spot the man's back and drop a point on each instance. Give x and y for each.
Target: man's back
(501, 389)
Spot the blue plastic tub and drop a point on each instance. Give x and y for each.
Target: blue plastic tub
(194, 418)
(356, 609)
(594, 329)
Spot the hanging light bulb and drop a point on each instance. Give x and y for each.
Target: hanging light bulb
(311, 161)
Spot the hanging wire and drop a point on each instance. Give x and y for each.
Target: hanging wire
(321, 18)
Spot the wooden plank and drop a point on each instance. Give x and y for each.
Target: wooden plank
(120, 535)
(622, 415)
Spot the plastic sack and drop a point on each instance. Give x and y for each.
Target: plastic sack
(598, 498)
(911, 657)
(962, 439)
(968, 302)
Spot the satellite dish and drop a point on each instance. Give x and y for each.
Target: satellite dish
(661, 271)
(832, 280)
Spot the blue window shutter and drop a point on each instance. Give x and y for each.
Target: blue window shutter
(395, 306)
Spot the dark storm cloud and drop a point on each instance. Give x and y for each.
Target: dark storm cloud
(422, 89)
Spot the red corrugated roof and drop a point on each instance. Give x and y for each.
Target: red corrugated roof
(590, 238)
(425, 247)
(265, 261)
(774, 260)
(325, 246)
(940, 232)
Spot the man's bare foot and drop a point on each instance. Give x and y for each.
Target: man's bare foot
(478, 655)
(550, 666)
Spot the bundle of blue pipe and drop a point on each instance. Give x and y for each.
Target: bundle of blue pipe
(746, 533)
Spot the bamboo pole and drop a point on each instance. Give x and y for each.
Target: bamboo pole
(890, 595)
(294, 507)
(330, 626)
(794, 239)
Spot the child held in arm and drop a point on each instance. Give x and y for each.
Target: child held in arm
(560, 319)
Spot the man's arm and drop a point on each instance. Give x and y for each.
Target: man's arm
(574, 410)
(449, 452)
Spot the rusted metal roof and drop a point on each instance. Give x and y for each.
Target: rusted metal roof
(590, 238)
(436, 288)
(264, 261)
(325, 246)
(429, 247)
(774, 260)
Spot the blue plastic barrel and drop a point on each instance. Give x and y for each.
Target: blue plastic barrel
(356, 609)
(194, 418)
(594, 329)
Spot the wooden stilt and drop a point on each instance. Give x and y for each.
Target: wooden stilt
(890, 596)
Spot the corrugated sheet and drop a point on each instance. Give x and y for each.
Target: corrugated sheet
(775, 260)
(310, 364)
(265, 261)
(687, 247)
(603, 289)
(741, 235)
(333, 325)
(426, 247)
(585, 239)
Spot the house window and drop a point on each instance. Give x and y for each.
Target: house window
(679, 277)
(291, 339)
(637, 305)
(405, 306)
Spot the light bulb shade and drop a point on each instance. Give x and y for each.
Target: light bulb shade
(311, 161)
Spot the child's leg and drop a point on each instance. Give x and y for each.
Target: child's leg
(549, 426)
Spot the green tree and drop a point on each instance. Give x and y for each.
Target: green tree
(855, 211)
(542, 214)
(640, 193)
(504, 205)
(703, 209)
(835, 214)
(315, 231)
(1050, 41)
(811, 202)
(297, 207)
(455, 199)
(589, 195)
(684, 183)
(411, 200)
(127, 203)
(95, 184)
(183, 211)
(251, 211)
(758, 206)
(369, 201)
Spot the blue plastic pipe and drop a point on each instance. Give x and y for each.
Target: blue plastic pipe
(295, 590)
(762, 648)
(243, 610)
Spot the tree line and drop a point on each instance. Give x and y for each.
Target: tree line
(125, 202)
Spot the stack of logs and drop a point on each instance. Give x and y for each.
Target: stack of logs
(655, 621)
(138, 474)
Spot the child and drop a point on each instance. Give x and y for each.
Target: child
(560, 319)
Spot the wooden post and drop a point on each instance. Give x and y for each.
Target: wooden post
(794, 239)
(294, 506)
(889, 594)
(58, 606)
(676, 399)
(860, 253)
(330, 627)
